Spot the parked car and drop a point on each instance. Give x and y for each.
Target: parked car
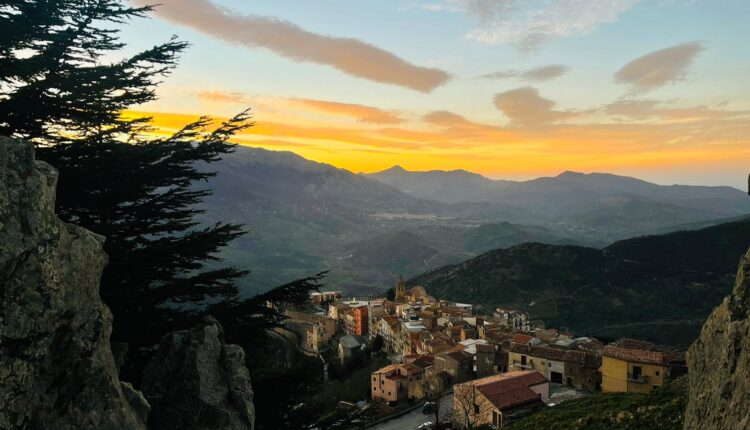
(428, 408)
(425, 426)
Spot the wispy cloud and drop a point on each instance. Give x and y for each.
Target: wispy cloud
(659, 68)
(529, 23)
(537, 74)
(359, 112)
(362, 113)
(349, 55)
(223, 97)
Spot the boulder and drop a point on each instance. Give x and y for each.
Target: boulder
(198, 382)
(56, 367)
(719, 363)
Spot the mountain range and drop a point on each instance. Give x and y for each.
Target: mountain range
(303, 217)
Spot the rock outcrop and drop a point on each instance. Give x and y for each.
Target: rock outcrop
(56, 367)
(197, 382)
(719, 363)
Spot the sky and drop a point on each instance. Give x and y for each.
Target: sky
(512, 89)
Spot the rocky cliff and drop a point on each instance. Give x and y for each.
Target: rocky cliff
(719, 363)
(196, 381)
(56, 366)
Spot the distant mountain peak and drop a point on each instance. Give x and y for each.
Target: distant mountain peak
(395, 169)
(570, 174)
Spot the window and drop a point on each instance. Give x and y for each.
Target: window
(657, 373)
(476, 408)
(637, 371)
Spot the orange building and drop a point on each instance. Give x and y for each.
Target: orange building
(357, 320)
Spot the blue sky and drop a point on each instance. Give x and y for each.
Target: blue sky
(655, 89)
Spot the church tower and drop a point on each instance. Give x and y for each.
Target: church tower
(400, 289)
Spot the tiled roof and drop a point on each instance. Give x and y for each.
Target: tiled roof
(633, 355)
(458, 355)
(521, 338)
(510, 389)
(639, 351)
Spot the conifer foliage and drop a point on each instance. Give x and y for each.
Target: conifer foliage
(65, 86)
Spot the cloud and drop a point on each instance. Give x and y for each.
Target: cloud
(652, 110)
(537, 74)
(349, 55)
(524, 106)
(362, 113)
(222, 97)
(529, 23)
(660, 67)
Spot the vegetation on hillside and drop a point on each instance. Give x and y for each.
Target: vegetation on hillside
(659, 288)
(661, 409)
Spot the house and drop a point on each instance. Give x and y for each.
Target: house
(635, 366)
(389, 327)
(350, 348)
(391, 383)
(375, 309)
(512, 318)
(337, 310)
(316, 330)
(497, 400)
(575, 368)
(458, 364)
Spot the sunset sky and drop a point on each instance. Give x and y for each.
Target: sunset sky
(513, 89)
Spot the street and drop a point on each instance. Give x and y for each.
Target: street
(414, 418)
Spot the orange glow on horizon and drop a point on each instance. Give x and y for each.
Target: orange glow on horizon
(449, 143)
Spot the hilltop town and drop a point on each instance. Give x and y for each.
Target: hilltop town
(466, 368)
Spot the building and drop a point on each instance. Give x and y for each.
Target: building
(497, 400)
(337, 310)
(389, 328)
(635, 366)
(575, 368)
(457, 364)
(316, 330)
(356, 321)
(391, 383)
(350, 348)
(375, 309)
(320, 297)
(512, 318)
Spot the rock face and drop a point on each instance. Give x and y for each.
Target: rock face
(197, 382)
(56, 366)
(719, 363)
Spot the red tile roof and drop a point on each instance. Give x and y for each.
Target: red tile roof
(521, 338)
(510, 389)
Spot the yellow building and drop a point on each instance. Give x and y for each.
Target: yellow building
(633, 366)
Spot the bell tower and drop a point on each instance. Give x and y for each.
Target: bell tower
(400, 289)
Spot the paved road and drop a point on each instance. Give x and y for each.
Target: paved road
(414, 418)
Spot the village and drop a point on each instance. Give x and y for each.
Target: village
(452, 366)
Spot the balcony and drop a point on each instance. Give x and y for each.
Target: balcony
(640, 379)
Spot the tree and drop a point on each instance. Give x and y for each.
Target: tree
(470, 409)
(59, 90)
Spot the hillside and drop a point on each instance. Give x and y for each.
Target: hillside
(656, 287)
(303, 217)
(661, 409)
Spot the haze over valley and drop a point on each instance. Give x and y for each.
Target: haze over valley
(303, 217)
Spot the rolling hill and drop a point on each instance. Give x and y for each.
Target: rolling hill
(303, 217)
(654, 287)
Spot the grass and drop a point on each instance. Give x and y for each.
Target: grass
(662, 409)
